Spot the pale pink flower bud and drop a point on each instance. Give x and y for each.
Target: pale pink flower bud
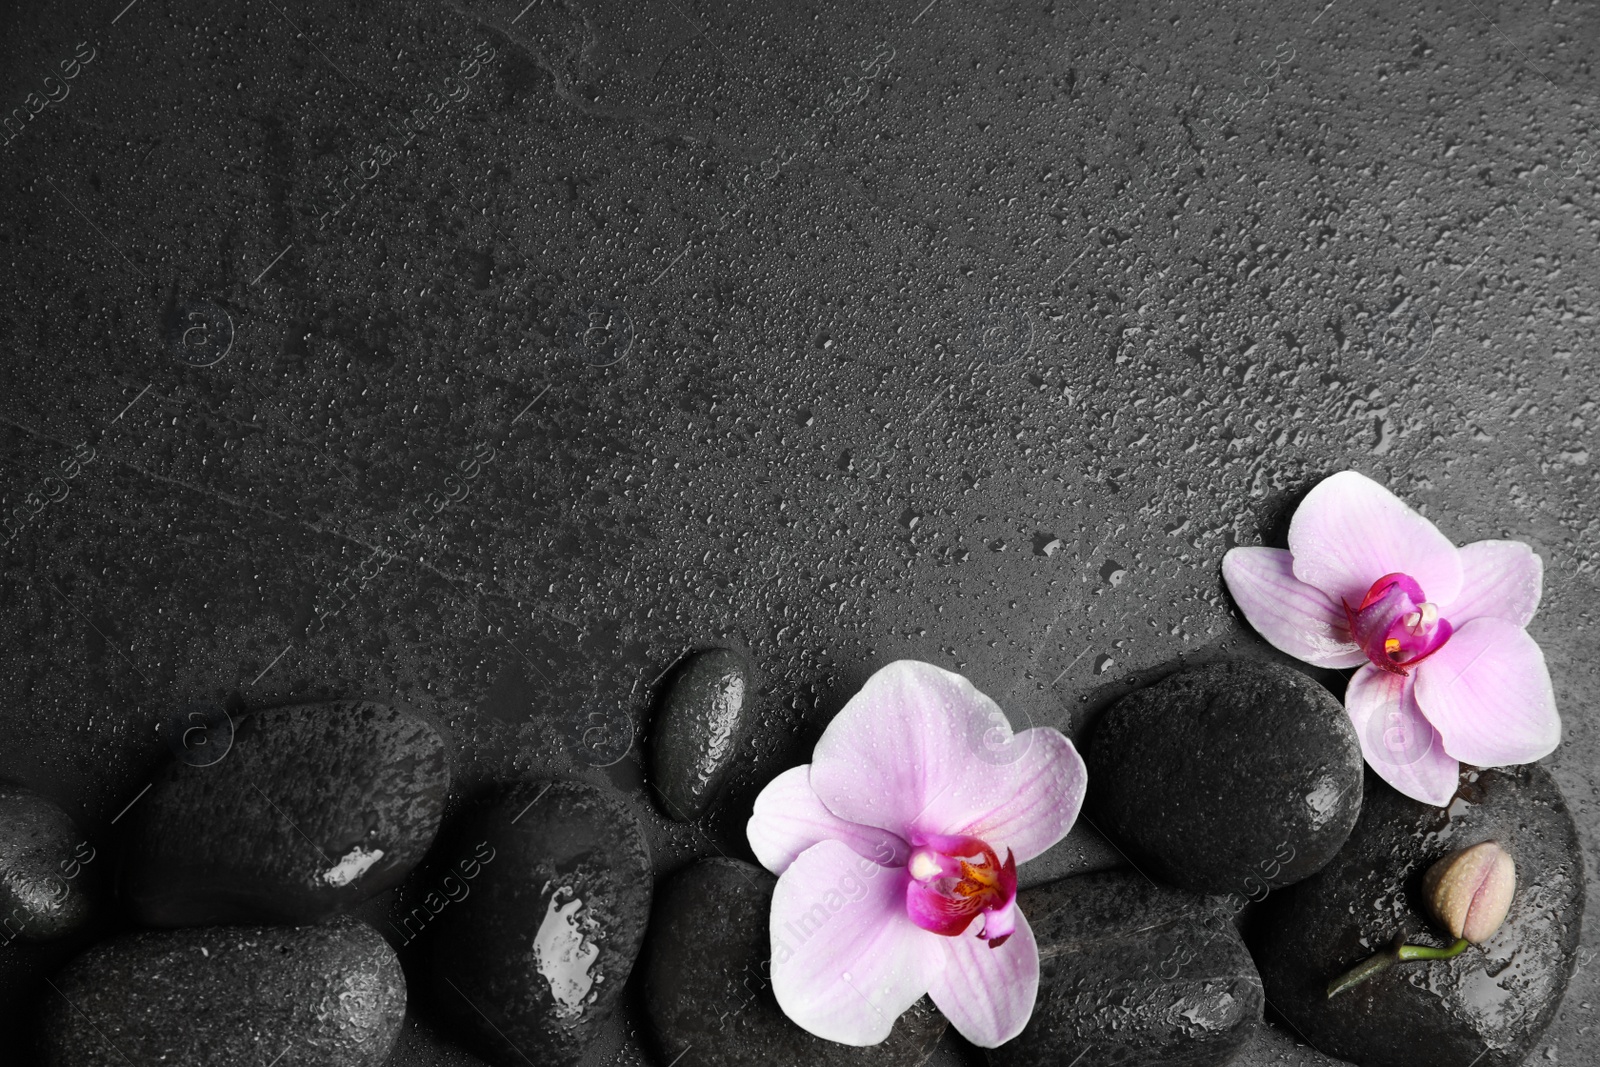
(1470, 891)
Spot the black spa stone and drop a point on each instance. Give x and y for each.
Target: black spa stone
(1489, 1005)
(1134, 974)
(706, 987)
(1234, 777)
(331, 995)
(47, 869)
(533, 961)
(697, 731)
(313, 809)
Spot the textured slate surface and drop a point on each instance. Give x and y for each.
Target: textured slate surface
(834, 333)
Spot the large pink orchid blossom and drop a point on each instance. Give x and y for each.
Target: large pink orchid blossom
(1447, 672)
(896, 851)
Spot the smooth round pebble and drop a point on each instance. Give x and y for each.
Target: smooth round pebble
(535, 958)
(1487, 1006)
(697, 731)
(319, 996)
(1132, 973)
(314, 808)
(1234, 777)
(47, 872)
(707, 989)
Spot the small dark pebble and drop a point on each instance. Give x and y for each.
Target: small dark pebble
(706, 985)
(1489, 1005)
(1234, 777)
(315, 808)
(47, 869)
(1134, 974)
(533, 961)
(697, 732)
(319, 996)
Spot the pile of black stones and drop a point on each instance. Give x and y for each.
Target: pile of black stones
(1261, 860)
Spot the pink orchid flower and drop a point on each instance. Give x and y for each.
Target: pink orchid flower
(896, 851)
(1447, 671)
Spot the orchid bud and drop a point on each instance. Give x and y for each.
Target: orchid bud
(1470, 891)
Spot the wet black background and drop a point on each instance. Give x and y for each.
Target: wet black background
(968, 332)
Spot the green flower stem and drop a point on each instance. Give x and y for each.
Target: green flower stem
(1362, 971)
(1388, 958)
(1423, 952)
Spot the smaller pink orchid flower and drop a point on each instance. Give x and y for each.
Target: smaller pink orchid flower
(1447, 671)
(888, 848)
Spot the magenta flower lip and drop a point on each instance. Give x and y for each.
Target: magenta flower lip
(1396, 626)
(888, 848)
(1446, 674)
(956, 877)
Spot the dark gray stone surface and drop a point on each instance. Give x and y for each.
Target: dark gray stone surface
(1489, 1005)
(311, 810)
(535, 960)
(420, 1045)
(1234, 777)
(1132, 974)
(696, 734)
(972, 332)
(48, 877)
(707, 982)
(220, 996)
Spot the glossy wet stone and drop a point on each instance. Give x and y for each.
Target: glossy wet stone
(1494, 1000)
(47, 869)
(1133, 973)
(1233, 777)
(534, 960)
(322, 996)
(314, 808)
(706, 987)
(698, 730)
